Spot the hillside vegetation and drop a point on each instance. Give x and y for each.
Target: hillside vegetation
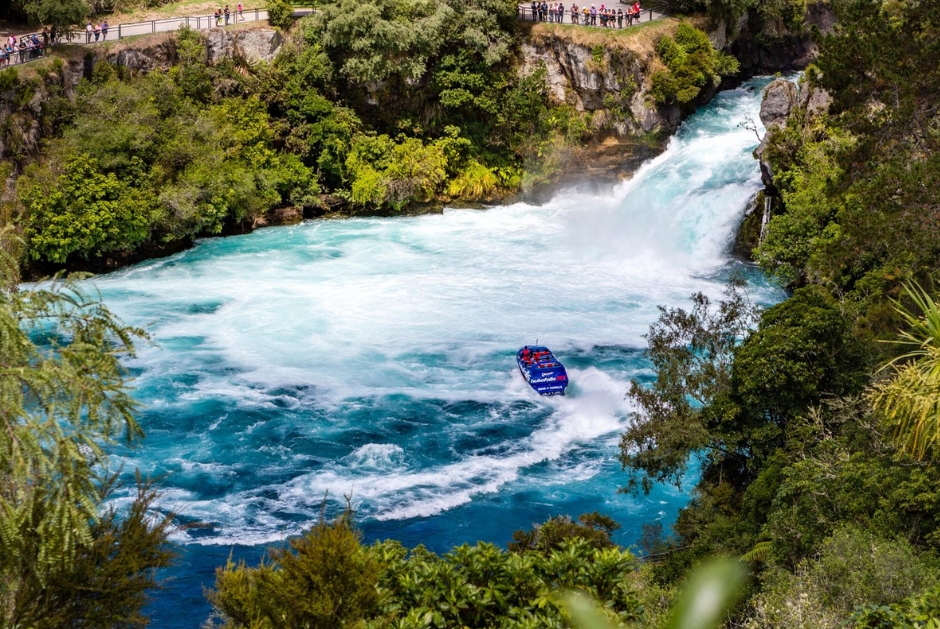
(819, 432)
(816, 422)
(376, 108)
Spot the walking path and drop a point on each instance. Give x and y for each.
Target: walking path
(526, 15)
(204, 22)
(135, 29)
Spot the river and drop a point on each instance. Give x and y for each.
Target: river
(374, 358)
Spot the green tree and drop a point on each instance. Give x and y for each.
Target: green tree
(321, 580)
(692, 64)
(63, 400)
(594, 528)
(84, 212)
(61, 13)
(692, 353)
(280, 13)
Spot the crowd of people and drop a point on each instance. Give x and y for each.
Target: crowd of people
(24, 48)
(604, 16)
(227, 14)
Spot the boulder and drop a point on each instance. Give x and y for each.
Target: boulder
(818, 101)
(255, 44)
(779, 99)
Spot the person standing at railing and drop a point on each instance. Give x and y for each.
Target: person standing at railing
(227, 13)
(88, 31)
(104, 30)
(636, 12)
(241, 12)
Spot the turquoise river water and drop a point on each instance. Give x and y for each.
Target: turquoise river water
(374, 358)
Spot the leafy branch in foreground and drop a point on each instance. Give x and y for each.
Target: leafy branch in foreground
(709, 593)
(63, 399)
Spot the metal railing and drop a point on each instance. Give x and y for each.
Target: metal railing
(129, 29)
(564, 16)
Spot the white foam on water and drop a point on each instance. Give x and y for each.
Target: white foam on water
(427, 308)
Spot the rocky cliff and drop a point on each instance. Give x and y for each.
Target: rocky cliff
(605, 76)
(784, 103)
(763, 45)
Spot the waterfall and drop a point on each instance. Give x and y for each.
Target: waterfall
(765, 219)
(374, 357)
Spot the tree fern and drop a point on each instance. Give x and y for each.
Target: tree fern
(909, 399)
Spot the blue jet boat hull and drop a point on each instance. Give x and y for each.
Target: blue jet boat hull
(542, 370)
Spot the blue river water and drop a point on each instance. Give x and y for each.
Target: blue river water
(374, 359)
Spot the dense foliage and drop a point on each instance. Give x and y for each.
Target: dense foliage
(64, 560)
(372, 108)
(327, 579)
(593, 528)
(817, 464)
(692, 65)
(148, 161)
(769, 19)
(155, 159)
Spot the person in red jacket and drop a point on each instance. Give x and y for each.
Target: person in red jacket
(636, 12)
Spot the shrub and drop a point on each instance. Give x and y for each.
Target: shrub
(385, 585)
(476, 181)
(854, 567)
(692, 63)
(321, 580)
(280, 13)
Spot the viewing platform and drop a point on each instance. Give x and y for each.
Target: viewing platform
(649, 12)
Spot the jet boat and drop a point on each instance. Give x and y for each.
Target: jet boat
(542, 370)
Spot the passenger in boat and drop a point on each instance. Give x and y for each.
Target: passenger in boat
(526, 353)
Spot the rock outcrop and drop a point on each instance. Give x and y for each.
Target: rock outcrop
(781, 99)
(764, 48)
(613, 81)
(785, 103)
(251, 44)
(607, 79)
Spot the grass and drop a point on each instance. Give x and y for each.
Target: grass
(181, 8)
(640, 39)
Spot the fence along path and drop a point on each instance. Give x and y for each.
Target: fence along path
(650, 11)
(134, 29)
(165, 25)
